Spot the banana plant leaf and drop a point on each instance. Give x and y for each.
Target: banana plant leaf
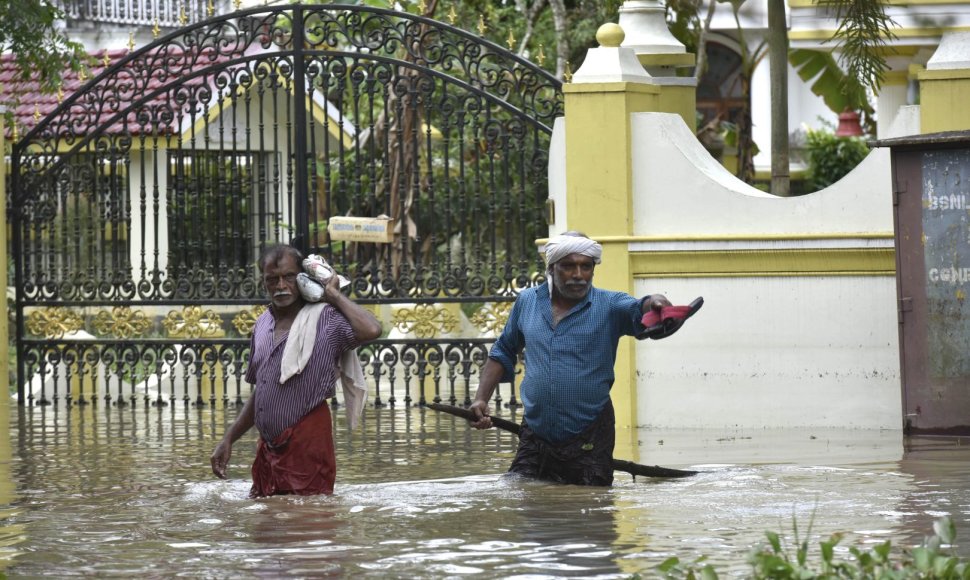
(829, 81)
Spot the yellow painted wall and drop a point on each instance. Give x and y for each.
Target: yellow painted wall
(4, 324)
(598, 176)
(943, 100)
(7, 488)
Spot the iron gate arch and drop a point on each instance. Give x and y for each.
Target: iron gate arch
(139, 205)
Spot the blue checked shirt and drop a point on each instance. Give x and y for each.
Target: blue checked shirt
(568, 369)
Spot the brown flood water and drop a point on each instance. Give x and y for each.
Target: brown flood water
(128, 493)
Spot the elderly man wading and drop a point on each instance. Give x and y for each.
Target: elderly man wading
(569, 331)
(295, 454)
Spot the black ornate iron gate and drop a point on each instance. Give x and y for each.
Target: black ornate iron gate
(140, 204)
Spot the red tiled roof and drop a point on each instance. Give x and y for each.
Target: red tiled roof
(30, 105)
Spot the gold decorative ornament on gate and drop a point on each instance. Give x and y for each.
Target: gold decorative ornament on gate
(54, 322)
(425, 320)
(245, 321)
(193, 322)
(492, 317)
(121, 322)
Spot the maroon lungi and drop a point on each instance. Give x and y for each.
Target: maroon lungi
(300, 461)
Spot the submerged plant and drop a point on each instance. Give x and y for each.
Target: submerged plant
(930, 560)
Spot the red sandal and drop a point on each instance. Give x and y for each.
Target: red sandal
(668, 320)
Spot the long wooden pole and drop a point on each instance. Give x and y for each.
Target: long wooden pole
(634, 469)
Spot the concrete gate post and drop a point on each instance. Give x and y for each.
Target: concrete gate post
(944, 85)
(6, 446)
(4, 283)
(610, 86)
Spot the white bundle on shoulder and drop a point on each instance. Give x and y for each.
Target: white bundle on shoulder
(321, 271)
(310, 289)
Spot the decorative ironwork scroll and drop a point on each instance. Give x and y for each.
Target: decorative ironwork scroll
(152, 187)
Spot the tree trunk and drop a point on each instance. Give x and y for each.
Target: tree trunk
(745, 140)
(531, 14)
(403, 159)
(562, 45)
(701, 65)
(778, 61)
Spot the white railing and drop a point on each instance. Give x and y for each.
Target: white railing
(166, 13)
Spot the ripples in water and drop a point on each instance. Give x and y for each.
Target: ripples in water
(129, 493)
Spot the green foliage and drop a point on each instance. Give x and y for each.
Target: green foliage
(830, 157)
(683, 21)
(505, 20)
(729, 132)
(28, 29)
(863, 35)
(776, 560)
(674, 568)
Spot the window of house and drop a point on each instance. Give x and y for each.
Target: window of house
(218, 209)
(720, 95)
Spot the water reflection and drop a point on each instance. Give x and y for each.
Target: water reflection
(127, 492)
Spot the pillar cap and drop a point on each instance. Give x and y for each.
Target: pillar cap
(953, 52)
(611, 63)
(646, 26)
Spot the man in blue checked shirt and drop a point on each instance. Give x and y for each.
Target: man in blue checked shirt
(569, 331)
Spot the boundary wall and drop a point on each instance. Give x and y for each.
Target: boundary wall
(799, 326)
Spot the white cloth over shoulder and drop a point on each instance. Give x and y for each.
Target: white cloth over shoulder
(299, 348)
(558, 247)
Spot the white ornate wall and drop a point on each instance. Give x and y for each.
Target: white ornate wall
(799, 324)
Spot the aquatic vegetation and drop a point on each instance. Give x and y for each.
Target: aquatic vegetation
(932, 559)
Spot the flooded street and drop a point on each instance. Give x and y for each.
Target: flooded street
(128, 492)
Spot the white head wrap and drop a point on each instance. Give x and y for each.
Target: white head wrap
(559, 247)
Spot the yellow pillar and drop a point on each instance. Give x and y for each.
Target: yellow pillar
(943, 97)
(7, 488)
(4, 325)
(599, 191)
(677, 94)
(944, 85)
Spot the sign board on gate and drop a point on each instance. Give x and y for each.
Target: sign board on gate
(379, 230)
